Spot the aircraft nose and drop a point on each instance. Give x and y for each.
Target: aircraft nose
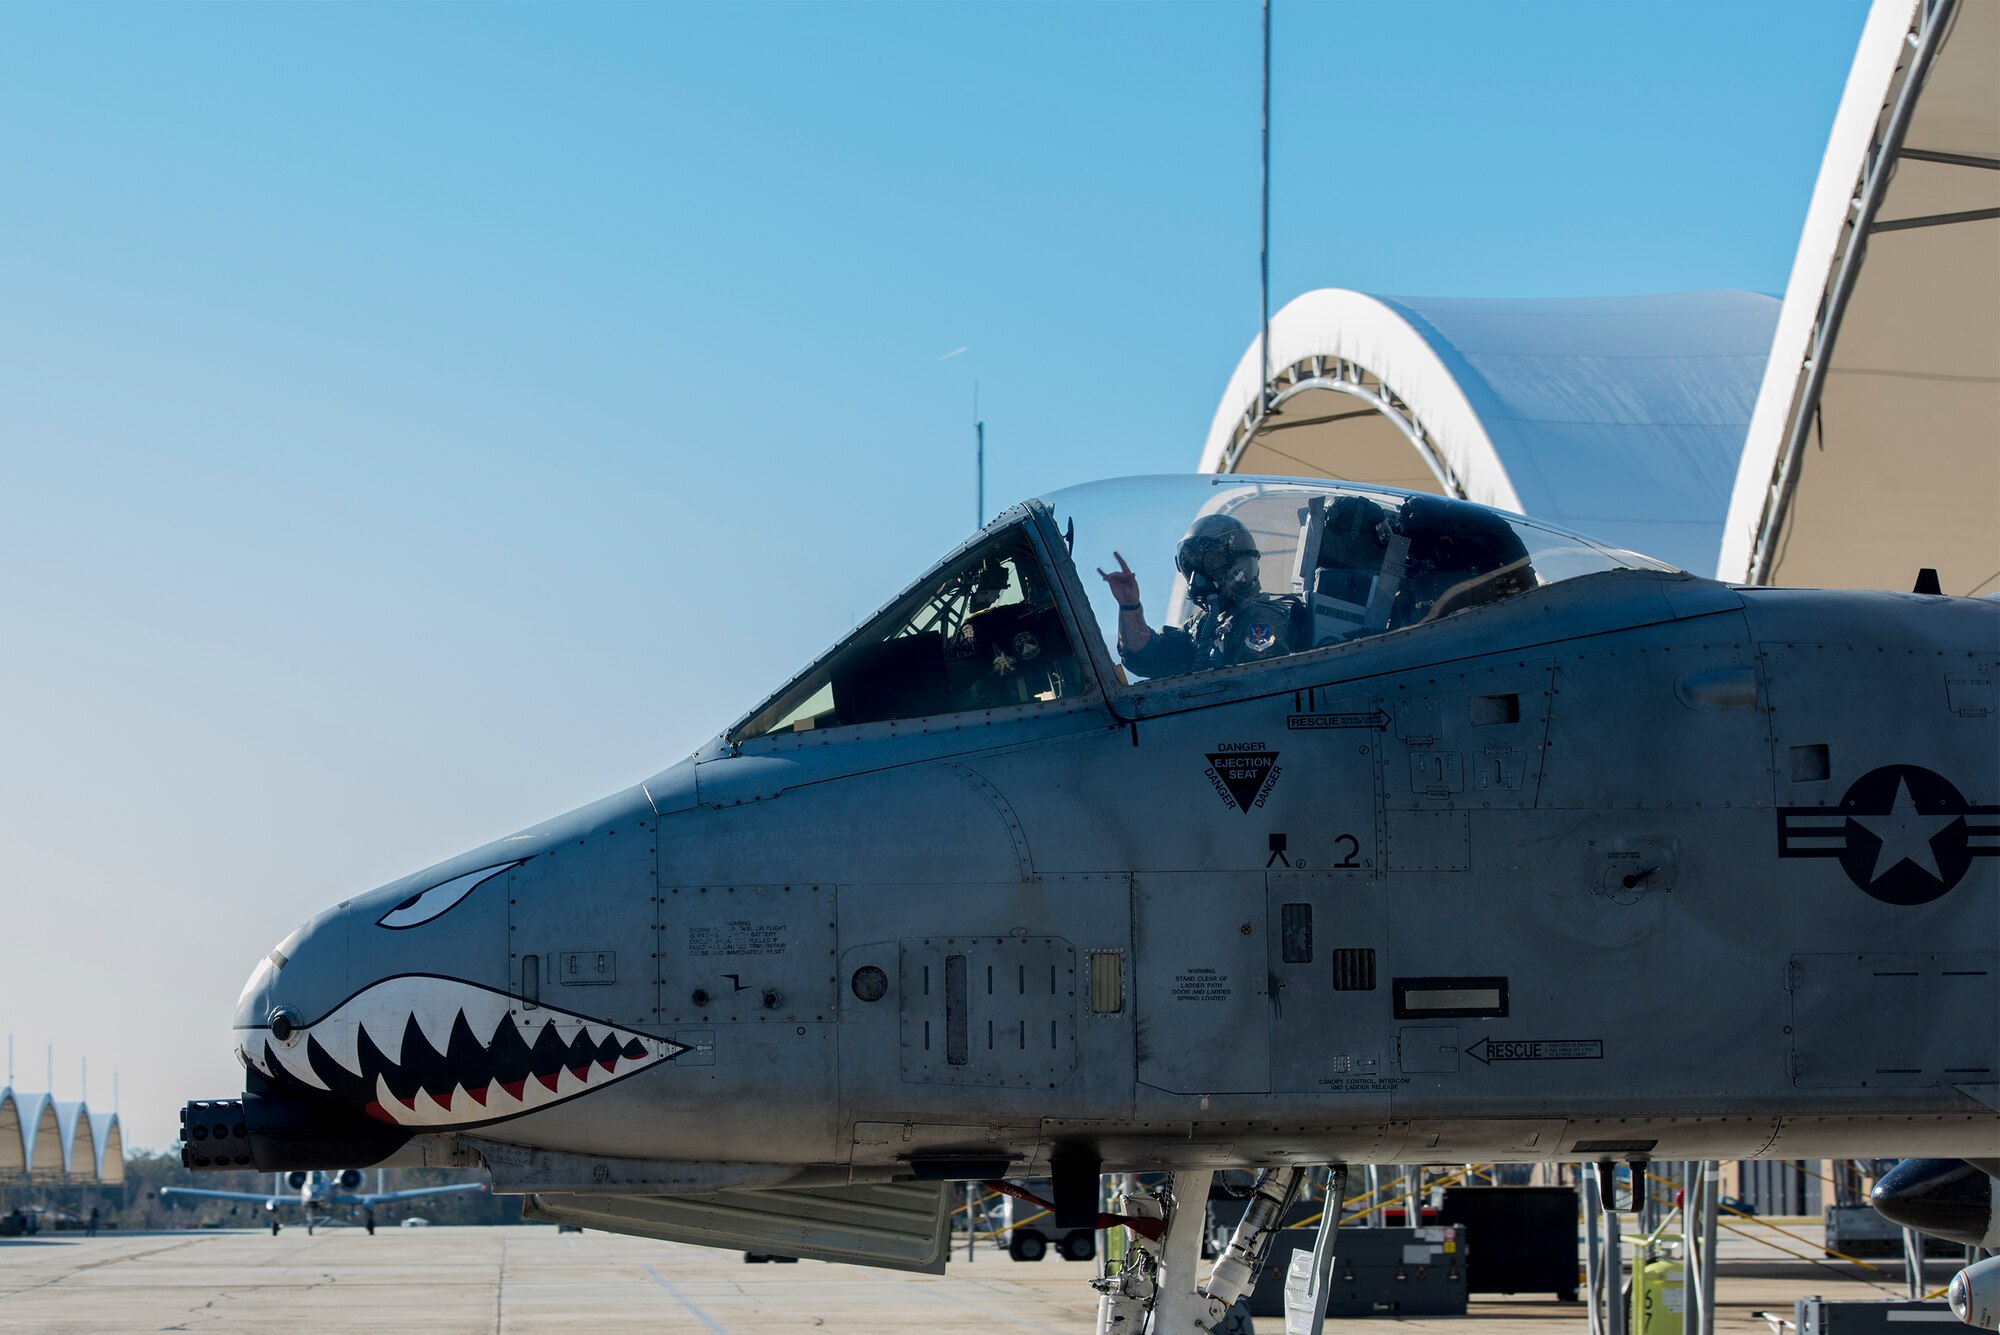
(398, 1006)
(292, 976)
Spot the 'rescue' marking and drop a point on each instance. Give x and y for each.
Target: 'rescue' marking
(1489, 1050)
(1314, 722)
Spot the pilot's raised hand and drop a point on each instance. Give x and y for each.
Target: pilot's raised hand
(1133, 632)
(1124, 584)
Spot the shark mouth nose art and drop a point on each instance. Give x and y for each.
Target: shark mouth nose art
(423, 1051)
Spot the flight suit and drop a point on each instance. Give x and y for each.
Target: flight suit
(1247, 632)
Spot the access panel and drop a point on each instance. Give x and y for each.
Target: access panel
(988, 1010)
(746, 954)
(1869, 1020)
(1201, 992)
(580, 926)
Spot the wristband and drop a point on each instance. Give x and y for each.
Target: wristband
(1130, 607)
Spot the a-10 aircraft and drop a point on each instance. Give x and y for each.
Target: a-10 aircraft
(319, 1194)
(1398, 830)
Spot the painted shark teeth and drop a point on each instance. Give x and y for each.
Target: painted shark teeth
(438, 1052)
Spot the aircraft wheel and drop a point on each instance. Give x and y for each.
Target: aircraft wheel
(1078, 1246)
(1027, 1245)
(754, 1258)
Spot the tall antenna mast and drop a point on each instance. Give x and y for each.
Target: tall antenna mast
(979, 445)
(1264, 235)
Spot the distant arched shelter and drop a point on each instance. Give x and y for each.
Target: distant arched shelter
(13, 1138)
(1875, 446)
(110, 1146)
(47, 1157)
(42, 1140)
(79, 1145)
(1622, 417)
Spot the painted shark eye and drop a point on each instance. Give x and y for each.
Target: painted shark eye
(424, 905)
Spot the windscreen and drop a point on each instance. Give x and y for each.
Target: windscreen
(982, 633)
(1193, 573)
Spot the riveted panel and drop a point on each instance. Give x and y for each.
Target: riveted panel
(1468, 740)
(1867, 1020)
(747, 954)
(1658, 726)
(988, 1010)
(580, 926)
(1325, 1014)
(1829, 697)
(1427, 840)
(1202, 976)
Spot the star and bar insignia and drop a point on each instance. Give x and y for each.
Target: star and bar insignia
(1902, 833)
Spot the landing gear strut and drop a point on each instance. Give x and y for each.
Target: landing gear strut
(1157, 1279)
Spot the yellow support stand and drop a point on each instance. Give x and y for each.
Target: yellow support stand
(1659, 1298)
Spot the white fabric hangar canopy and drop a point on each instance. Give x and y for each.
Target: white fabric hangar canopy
(1620, 417)
(1874, 449)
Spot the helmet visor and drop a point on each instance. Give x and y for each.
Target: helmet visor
(1210, 557)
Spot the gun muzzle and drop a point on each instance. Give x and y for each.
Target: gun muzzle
(276, 1132)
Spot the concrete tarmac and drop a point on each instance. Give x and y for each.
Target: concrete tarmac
(530, 1280)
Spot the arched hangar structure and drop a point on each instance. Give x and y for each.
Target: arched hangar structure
(1875, 446)
(58, 1144)
(1620, 417)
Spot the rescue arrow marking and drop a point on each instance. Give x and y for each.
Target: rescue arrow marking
(1489, 1050)
(1313, 722)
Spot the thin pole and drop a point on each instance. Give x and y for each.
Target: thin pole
(1612, 1270)
(979, 445)
(1711, 1197)
(1264, 233)
(1593, 1253)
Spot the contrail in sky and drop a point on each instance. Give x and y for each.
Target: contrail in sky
(949, 355)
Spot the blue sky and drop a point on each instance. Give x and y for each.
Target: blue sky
(420, 420)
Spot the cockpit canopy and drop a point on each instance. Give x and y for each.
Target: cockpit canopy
(983, 632)
(1339, 561)
(1329, 563)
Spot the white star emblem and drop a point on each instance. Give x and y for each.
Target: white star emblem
(1905, 835)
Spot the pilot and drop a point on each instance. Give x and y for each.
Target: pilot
(1234, 621)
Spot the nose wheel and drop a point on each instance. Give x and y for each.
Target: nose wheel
(1155, 1287)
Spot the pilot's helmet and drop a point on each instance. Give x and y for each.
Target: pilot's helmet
(1219, 558)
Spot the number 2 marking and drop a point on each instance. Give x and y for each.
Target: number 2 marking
(1353, 849)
